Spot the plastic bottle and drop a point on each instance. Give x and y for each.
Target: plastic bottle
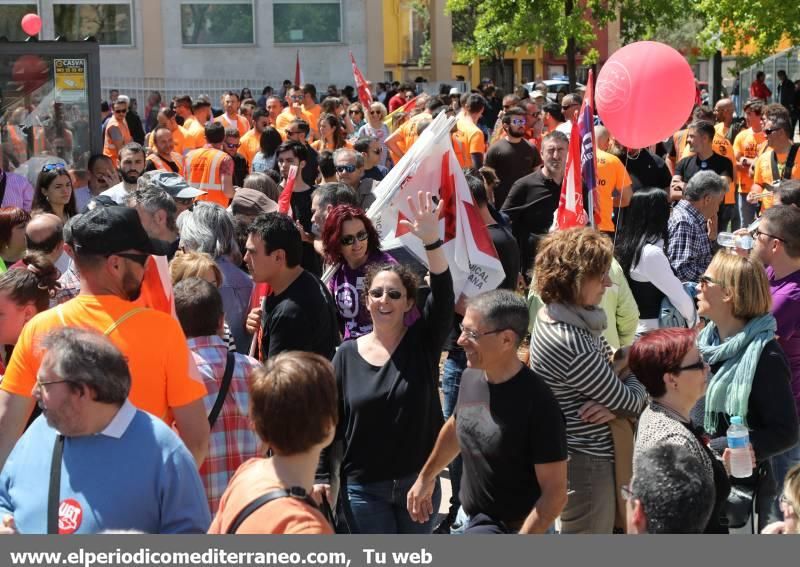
(730, 240)
(739, 445)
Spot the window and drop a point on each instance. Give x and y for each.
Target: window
(315, 21)
(217, 23)
(109, 22)
(11, 20)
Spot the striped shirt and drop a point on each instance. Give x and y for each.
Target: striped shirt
(577, 367)
(19, 192)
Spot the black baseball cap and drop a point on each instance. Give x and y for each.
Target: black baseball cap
(109, 230)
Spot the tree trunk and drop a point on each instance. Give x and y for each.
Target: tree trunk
(572, 71)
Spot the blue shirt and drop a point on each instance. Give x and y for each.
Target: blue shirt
(134, 475)
(235, 291)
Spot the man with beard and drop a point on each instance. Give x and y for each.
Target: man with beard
(111, 249)
(533, 199)
(512, 157)
(131, 167)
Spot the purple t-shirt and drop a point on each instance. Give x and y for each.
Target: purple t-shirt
(786, 309)
(347, 288)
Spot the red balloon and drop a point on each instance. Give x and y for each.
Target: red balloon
(30, 72)
(645, 93)
(31, 24)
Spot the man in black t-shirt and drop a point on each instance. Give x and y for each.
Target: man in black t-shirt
(507, 426)
(512, 157)
(700, 136)
(300, 314)
(646, 169)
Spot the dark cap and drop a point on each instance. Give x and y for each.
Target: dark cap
(175, 185)
(251, 202)
(109, 230)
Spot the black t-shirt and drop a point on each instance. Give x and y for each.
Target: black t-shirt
(240, 169)
(504, 430)
(301, 211)
(508, 253)
(648, 170)
(511, 162)
(688, 166)
(303, 317)
(530, 206)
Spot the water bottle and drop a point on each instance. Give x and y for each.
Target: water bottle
(730, 240)
(739, 445)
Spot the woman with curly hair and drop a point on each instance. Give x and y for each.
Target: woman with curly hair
(350, 240)
(569, 351)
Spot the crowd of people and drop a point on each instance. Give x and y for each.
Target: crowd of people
(269, 368)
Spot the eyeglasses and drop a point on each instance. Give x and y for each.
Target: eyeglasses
(140, 259)
(53, 166)
(348, 168)
(769, 131)
(699, 365)
(378, 292)
(43, 385)
(375, 112)
(708, 280)
(517, 122)
(756, 233)
(231, 146)
(350, 239)
(475, 335)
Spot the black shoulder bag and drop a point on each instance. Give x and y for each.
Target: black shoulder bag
(54, 493)
(787, 169)
(230, 363)
(293, 492)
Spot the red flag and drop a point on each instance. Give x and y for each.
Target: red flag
(363, 90)
(570, 210)
(588, 165)
(156, 291)
(298, 72)
(285, 199)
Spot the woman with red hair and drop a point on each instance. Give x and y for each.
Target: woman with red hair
(669, 365)
(13, 221)
(350, 240)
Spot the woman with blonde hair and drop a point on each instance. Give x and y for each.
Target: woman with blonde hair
(750, 376)
(569, 352)
(375, 128)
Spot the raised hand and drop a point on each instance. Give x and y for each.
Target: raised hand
(424, 220)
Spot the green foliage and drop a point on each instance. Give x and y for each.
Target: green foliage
(216, 23)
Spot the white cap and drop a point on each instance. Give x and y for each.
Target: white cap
(455, 91)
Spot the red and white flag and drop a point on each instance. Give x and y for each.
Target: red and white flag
(571, 211)
(431, 165)
(364, 96)
(285, 198)
(298, 71)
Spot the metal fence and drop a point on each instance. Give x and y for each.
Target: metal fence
(788, 60)
(140, 88)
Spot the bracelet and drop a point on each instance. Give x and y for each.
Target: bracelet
(434, 245)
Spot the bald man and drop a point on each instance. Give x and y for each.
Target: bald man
(723, 113)
(613, 182)
(45, 233)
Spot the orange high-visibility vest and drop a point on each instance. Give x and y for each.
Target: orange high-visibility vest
(175, 158)
(179, 140)
(241, 123)
(109, 149)
(201, 169)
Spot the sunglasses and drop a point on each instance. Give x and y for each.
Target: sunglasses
(699, 365)
(140, 259)
(517, 122)
(769, 131)
(232, 145)
(120, 112)
(295, 133)
(707, 280)
(350, 239)
(375, 112)
(297, 98)
(53, 166)
(378, 292)
(356, 112)
(347, 168)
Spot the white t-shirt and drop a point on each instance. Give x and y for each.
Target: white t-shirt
(118, 193)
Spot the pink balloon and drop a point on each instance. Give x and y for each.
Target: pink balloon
(645, 93)
(31, 24)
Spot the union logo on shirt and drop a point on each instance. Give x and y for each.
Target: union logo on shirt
(70, 515)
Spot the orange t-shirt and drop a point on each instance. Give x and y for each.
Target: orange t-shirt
(163, 374)
(611, 176)
(288, 116)
(194, 134)
(720, 145)
(251, 145)
(281, 516)
(180, 137)
(763, 174)
(747, 144)
(315, 112)
(473, 138)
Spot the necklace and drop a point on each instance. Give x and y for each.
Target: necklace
(634, 157)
